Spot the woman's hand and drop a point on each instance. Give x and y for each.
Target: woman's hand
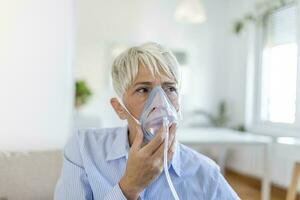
(145, 163)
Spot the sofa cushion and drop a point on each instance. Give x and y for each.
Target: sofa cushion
(29, 176)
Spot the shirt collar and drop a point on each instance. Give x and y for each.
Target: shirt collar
(176, 161)
(120, 147)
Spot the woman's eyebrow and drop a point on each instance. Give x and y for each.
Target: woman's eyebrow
(143, 83)
(169, 83)
(151, 83)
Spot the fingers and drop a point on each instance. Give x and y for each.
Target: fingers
(171, 149)
(138, 139)
(159, 153)
(155, 143)
(172, 133)
(172, 141)
(171, 145)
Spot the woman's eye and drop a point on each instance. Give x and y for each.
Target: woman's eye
(142, 90)
(171, 89)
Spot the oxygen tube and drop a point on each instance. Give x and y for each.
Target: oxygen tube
(166, 170)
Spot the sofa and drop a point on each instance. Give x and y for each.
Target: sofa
(29, 175)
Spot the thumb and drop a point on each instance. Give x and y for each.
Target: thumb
(138, 139)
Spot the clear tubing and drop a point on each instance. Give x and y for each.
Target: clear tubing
(166, 170)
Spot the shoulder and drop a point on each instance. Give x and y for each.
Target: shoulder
(87, 136)
(88, 139)
(190, 156)
(205, 172)
(195, 163)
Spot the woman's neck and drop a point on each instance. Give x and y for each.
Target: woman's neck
(130, 137)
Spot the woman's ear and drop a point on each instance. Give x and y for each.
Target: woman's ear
(118, 108)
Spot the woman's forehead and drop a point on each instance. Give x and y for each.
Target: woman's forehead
(145, 75)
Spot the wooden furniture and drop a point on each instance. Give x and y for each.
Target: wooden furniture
(292, 190)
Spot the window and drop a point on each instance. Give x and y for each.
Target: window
(279, 95)
(278, 79)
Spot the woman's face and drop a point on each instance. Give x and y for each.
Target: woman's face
(137, 94)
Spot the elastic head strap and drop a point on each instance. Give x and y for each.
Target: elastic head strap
(123, 105)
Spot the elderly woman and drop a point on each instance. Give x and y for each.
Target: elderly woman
(127, 162)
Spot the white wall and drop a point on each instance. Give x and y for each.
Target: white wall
(101, 24)
(36, 83)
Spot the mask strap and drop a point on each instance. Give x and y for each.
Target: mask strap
(123, 105)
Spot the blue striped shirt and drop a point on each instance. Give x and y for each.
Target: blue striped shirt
(95, 160)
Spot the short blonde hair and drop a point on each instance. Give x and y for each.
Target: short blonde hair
(153, 56)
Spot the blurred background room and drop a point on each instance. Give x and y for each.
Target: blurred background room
(240, 84)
